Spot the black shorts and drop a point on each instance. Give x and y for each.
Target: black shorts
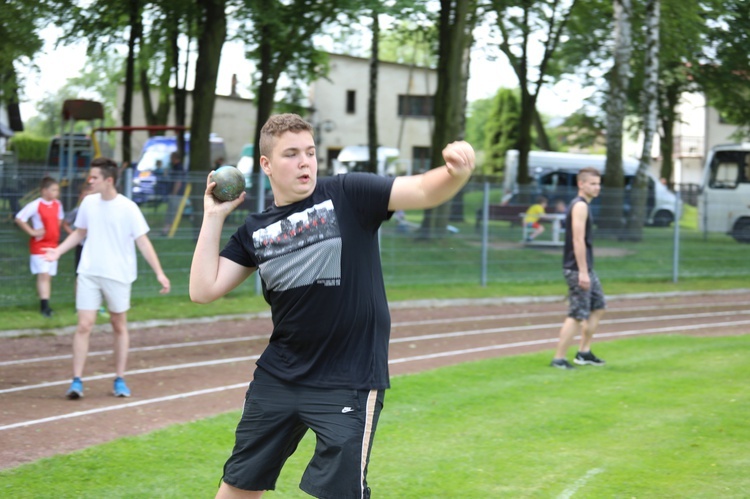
(276, 416)
(580, 301)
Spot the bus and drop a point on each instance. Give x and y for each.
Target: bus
(724, 199)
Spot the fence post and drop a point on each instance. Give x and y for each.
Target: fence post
(485, 232)
(128, 183)
(676, 250)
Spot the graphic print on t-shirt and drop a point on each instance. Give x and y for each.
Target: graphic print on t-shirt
(300, 250)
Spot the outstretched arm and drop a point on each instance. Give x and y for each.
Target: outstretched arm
(149, 254)
(436, 186)
(212, 276)
(73, 240)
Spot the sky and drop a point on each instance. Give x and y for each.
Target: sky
(488, 72)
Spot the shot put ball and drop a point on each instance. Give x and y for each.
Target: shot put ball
(229, 183)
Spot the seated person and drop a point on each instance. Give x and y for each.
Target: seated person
(532, 217)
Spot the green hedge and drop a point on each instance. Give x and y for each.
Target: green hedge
(29, 147)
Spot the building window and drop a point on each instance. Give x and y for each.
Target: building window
(351, 101)
(415, 105)
(420, 162)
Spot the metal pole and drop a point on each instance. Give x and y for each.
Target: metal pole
(676, 252)
(128, 183)
(71, 162)
(485, 232)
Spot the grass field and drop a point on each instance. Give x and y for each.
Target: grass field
(666, 418)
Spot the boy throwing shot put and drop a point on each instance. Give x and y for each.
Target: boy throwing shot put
(585, 294)
(326, 364)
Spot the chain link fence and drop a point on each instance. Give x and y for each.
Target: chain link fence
(481, 243)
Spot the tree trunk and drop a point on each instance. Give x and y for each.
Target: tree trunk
(454, 35)
(179, 92)
(136, 30)
(372, 100)
(212, 32)
(542, 140)
(650, 97)
(266, 92)
(668, 119)
(212, 29)
(610, 218)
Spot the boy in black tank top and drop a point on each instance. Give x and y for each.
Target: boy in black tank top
(585, 294)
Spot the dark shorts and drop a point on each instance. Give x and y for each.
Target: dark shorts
(581, 302)
(276, 416)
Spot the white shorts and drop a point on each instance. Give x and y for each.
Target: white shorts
(39, 265)
(91, 289)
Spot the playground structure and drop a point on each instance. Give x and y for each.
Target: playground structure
(73, 152)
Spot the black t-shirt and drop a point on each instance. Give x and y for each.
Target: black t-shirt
(569, 257)
(319, 263)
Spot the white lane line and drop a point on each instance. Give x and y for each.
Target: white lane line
(580, 483)
(557, 313)
(123, 406)
(140, 349)
(505, 346)
(558, 324)
(149, 370)
(436, 336)
(403, 360)
(397, 324)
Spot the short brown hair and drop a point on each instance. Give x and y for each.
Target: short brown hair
(589, 171)
(107, 166)
(47, 182)
(279, 124)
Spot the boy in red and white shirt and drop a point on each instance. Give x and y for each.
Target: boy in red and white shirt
(41, 219)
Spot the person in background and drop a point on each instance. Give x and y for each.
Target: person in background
(45, 214)
(586, 302)
(532, 218)
(112, 226)
(325, 368)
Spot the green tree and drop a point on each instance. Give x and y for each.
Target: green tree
(619, 77)
(649, 105)
(520, 25)
(279, 36)
(456, 23)
(103, 24)
(726, 75)
(477, 115)
(212, 30)
(501, 130)
(20, 22)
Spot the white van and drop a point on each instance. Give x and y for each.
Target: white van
(154, 164)
(724, 200)
(159, 148)
(356, 158)
(554, 176)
